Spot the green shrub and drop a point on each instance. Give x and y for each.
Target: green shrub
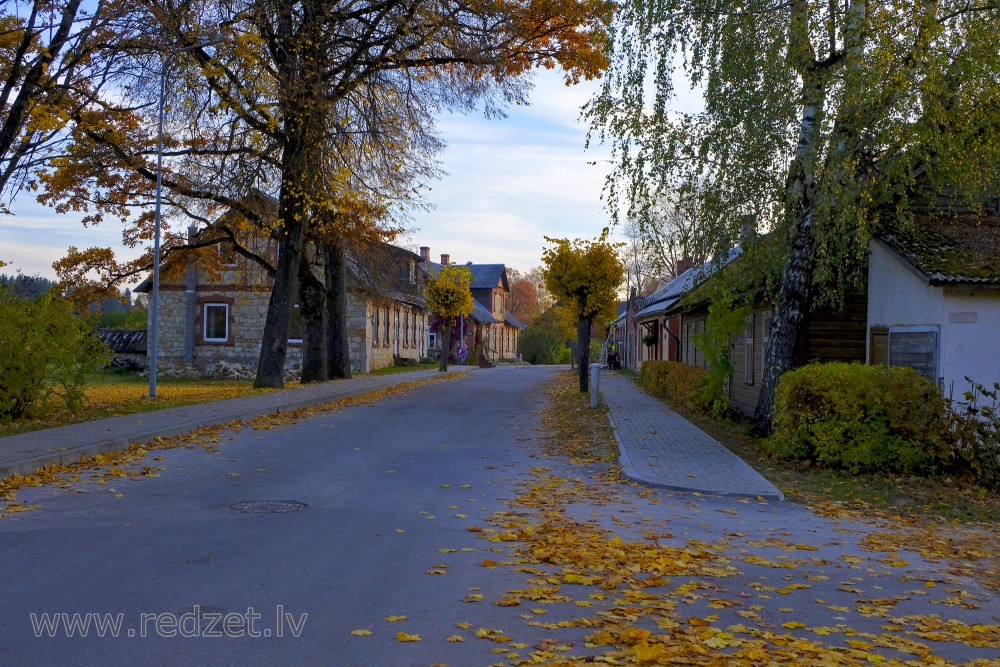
(976, 426)
(671, 379)
(861, 419)
(540, 346)
(44, 349)
(727, 316)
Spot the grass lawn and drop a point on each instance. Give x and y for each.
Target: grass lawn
(113, 393)
(108, 394)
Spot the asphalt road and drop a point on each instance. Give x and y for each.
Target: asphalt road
(272, 546)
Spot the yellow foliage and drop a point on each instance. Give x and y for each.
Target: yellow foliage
(585, 275)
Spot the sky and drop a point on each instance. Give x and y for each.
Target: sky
(510, 182)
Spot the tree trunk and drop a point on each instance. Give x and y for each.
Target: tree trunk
(293, 213)
(583, 345)
(792, 301)
(446, 347)
(312, 305)
(338, 350)
(790, 309)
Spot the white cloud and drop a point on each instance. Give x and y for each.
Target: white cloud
(511, 182)
(516, 180)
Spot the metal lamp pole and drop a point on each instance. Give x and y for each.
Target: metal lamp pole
(155, 299)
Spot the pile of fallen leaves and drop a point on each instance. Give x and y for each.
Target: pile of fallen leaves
(637, 587)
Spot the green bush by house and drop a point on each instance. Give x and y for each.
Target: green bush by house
(671, 379)
(861, 419)
(45, 349)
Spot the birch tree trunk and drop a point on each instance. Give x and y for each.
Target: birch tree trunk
(793, 297)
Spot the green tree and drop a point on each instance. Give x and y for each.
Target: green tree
(821, 121)
(44, 349)
(586, 275)
(449, 295)
(546, 339)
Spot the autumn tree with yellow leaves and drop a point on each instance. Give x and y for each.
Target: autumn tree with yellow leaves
(585, 275)
(324, 106)
(449, 296)
(52, 67)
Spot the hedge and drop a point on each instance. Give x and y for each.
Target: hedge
(861, 419)
(671, 379)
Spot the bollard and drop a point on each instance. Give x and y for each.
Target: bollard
(595, 381)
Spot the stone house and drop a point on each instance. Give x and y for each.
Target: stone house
(213, 316)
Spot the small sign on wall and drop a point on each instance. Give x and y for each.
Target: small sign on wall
(963, 318)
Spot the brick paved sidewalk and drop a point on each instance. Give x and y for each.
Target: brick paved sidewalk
(659, 447)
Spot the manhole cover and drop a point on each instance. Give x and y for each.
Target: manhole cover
(268, 506)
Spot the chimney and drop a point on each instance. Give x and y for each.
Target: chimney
(445, 259)
(684, 263)
(425, 253)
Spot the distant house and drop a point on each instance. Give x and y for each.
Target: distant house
(207, 317)
(491, 324)
(644, 331)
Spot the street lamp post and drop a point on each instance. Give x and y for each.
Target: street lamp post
(155, 298)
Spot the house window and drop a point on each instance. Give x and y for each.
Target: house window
(748, 351)
(413, 273)
(406, 328)
(385, 331)
(295, 327)
(395, 333)
(376, 320)
(915, 347)
(216, 322)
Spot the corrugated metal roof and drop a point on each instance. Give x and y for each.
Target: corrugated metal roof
(512, 320)
(667, 295)
(121, 342)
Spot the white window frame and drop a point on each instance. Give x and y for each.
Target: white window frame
(204, 322)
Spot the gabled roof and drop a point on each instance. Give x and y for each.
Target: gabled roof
(666, 296)
(484, 276)
(950, 248)
(488, 276)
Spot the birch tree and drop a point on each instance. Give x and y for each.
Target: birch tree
(822, 121)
